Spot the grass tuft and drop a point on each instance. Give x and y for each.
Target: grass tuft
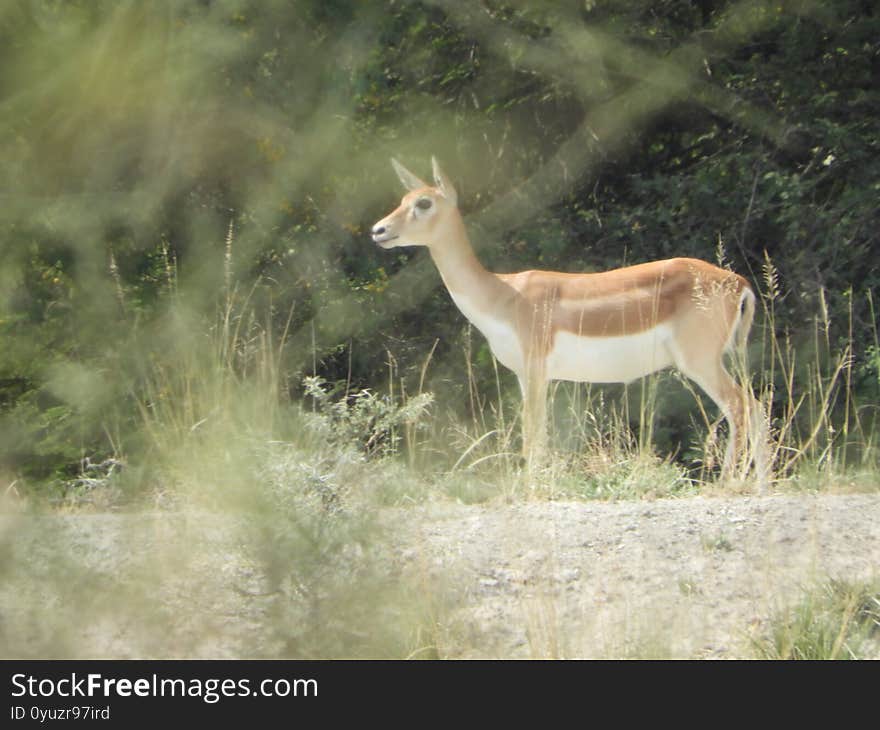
(838, 620)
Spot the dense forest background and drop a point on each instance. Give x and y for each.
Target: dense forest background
(190, 184)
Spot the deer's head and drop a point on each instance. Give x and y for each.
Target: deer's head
(424, 212)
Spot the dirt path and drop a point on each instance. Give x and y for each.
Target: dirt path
(693, 577)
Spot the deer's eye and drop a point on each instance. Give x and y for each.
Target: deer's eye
(424, 203)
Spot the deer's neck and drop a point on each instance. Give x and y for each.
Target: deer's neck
(485, 299)
(459, 267)
(481, 296)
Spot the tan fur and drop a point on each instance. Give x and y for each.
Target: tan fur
(677, 311)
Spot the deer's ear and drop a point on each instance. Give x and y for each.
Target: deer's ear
(443, 183)
(410, 181)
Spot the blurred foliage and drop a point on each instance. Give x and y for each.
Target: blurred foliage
(582, 135)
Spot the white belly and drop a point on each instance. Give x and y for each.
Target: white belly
(581, 359)
(608, 359)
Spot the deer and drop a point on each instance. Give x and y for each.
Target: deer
(609, 327)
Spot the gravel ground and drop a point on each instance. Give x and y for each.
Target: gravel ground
(692, 577)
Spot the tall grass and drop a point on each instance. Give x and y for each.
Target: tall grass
(214, 381)
(822, 432)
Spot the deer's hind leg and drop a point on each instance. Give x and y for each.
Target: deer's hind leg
(702, 362)
(731, 399)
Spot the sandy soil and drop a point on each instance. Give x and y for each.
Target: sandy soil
(693, 577)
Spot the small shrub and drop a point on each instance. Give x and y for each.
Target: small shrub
(374, 424)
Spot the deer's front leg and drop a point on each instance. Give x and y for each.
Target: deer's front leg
(534, 416)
